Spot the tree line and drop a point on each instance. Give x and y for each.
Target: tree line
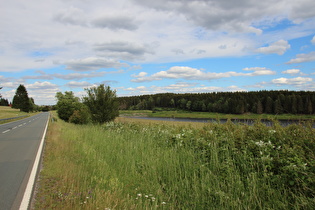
(270, 102)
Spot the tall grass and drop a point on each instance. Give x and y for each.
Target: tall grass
(127, 165)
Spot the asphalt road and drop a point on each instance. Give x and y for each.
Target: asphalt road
(19, 142)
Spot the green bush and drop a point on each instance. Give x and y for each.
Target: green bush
(81, 116)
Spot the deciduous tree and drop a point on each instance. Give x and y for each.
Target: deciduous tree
(102, 103)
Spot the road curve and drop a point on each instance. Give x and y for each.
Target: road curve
(19, 143)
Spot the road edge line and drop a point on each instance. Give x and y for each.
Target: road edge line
(30, 184)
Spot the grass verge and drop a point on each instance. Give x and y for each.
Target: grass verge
(144, 165)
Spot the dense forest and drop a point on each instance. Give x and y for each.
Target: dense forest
(270, 102)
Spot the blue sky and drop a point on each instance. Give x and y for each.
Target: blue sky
(146, 46)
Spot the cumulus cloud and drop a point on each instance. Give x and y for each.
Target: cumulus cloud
(258, 71)
(188, 73)
(313, 40)
(279, 47)
(181, 87)
(293, 81)
(92, 63)
(211, 14)
(75, 84)
(291, 71)
(233, 16)
(41, 86)
(42, 92)
(301, 58)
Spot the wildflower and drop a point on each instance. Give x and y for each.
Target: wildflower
(272, 131)
(139, 195)
(260, 143)
(163, 203)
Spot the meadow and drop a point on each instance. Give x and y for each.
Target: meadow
(8, 112)
(138, 164)
(212, 115)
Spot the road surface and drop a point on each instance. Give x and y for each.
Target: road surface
(19, 143)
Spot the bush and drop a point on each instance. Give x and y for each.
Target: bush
(81, 116)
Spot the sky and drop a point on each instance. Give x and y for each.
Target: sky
(140, 47)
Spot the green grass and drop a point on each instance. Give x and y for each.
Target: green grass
(131, 164)
(185, 114)
(8, 112)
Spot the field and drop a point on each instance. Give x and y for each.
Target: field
(186, 114)
(8, 112)
(138, 164)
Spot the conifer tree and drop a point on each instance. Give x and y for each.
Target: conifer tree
(21, 100)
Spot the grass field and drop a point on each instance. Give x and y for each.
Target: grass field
(140, 164)
(8, 112)
(185, 114)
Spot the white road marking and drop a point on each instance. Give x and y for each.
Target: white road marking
(6, 131)
(14, 127)
(29, 188)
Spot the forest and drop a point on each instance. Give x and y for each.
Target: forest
(259, 102)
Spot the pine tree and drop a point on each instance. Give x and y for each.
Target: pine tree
(21, 100)
(259, 107)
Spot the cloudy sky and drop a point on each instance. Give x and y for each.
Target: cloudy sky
(152, 46)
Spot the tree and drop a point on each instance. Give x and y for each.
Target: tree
(259, 108)
(21, 100)
(269, 105)
(67, 104)
(102, 103)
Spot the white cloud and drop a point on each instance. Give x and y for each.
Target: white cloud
(258, 71)
(75, 84)
(291, 71)
(41, 86)
(188, 73)
(298, 81)
(180, 87)
(279, 47)
(42, 92)
(313, 40)
(301, 58)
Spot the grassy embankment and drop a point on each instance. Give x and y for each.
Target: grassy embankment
(167, 165)
(211, 115)
(8, 112)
